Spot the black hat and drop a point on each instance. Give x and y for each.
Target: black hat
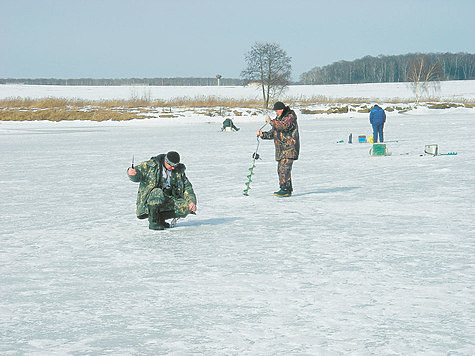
(279, 106)
(172, 158)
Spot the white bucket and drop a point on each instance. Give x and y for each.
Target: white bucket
(432, 150)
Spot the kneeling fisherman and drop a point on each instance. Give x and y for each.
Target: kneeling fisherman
(164, 191)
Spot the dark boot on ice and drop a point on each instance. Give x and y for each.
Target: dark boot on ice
(154, 219)
(285, 191)
(164, 215)
(282, 193)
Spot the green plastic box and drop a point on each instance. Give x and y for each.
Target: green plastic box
(379, 149)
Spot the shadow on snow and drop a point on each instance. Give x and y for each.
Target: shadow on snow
(207, 222)
(326, 190)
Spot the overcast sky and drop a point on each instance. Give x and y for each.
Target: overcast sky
(202, 38)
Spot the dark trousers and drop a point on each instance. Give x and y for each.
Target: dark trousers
(284, 169)
(378, 131)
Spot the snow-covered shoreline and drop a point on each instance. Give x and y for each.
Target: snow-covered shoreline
(450, 90)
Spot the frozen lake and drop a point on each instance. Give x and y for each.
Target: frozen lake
(448, 90)
(371, 255)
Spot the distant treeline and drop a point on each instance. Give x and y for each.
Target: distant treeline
(128, 81)
(397, 68)
(381, 69)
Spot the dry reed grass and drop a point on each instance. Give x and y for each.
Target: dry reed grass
(58, 109)
(62, 115)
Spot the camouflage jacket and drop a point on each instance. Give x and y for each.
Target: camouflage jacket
(149, 174)
(285, 133)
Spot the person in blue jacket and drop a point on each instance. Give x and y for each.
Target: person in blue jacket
(377, 118)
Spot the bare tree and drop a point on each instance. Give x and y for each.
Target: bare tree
(268, 65)
(423, 76)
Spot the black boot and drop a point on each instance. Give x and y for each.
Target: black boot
(164, 215)
(154, 219)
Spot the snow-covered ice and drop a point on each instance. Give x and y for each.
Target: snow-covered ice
(371, 255)
(458, 89)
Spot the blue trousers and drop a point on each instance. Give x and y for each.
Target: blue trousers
(378, 131)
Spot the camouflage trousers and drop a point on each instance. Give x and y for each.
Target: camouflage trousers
(158, 199)
(284, 169)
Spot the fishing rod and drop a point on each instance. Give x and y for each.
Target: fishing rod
(255, 154)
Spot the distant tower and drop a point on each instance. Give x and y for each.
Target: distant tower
(218, 77)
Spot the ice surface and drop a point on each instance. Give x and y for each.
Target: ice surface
(371, 255)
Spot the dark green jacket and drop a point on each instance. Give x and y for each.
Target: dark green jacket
(285, 132)
(149, 174)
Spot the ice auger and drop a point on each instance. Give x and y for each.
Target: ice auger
(255, 156)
